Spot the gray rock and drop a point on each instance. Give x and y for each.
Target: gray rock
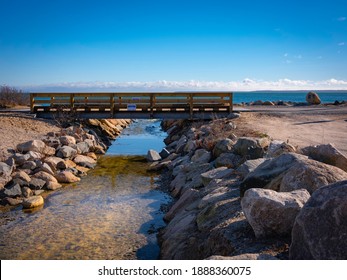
(47, 177)
(26, 192)
(45, 168)
(181, 144)
(310, 175)
(271, 213)
(153, 156)
(269, 170)
(312, 98)
(13, 190)
(36, 184)
(5, 170)
(31, 165)
(320, 229)
(177, 184)
(53, 186)
(13, 201)
(201, 156)
(191, 146)
(249, 166)
(20, 158)
(66, 177)
(52, 162)
(277, 148)
(164, 153)
(35, 155)
(33, 145)
(217, 173)
(222, 146)
(21, 175)
(32, 202)
(66, 152)
(328, 154)
(85, 161)
(228, 159)
(83, 147)
(251, 148)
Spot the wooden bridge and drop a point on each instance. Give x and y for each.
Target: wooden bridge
(133, 105)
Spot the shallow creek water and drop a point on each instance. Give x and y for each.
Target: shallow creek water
(113, 213)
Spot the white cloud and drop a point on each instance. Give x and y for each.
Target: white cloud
(341, 44)
(341, 19)
(246, 84)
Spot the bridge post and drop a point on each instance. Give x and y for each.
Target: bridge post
(230, 102)
(32, 102)
(191, 105)
(112, 104)
(152, 100)
(72, 102)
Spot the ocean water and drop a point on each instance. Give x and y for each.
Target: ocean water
(293, 96)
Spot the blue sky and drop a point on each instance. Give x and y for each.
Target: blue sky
(110, 45)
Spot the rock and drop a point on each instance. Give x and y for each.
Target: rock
(271, 213)
(277, 148)
(191, 146)
(258, 102)
(328, 154)
(30, 165)
(85, 161)
(251, 148)
(5, 170)
(229, 160)
(66, 177)
(153, 156)
(20, 158)
(222, 146)
(66, 152)
(217, 173)
(32, 202)
(49, 151)
(177, 184)
(33, 145)
(46, 168)
(181, 144)
(92, 155)
(310, 175)
(36, 183)
(233, 116)
(67, 140)
(53, 186)
(249, 166)
(13, 190)
(164, 153)
(201, 156)
(35, 155)
(269, 170)
(83, 147)
(244, 257)
(268, 103)
(65, 164)
(13, 201)
(320, 229)
(21, 175)
(26, 192)
(47, 177)
(53, 162)
(312, 98)
(82, 170)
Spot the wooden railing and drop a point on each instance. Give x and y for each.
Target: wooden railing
(141, 104)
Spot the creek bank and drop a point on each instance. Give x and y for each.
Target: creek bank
(242, 196)
(59, 158)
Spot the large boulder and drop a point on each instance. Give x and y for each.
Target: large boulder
(83, 147)
(230, 160)
(52, 162)
(310, 175)
(13, 190)
(45, 176)
(269, 170)
(217, 173)
(67, 140)
(251, 148)
(20, 158)
(312, 98)
(249, 166)
(327, 153)
(277, 148)
(271, 213)
(5, 174)
(320, 229)
(222, 146)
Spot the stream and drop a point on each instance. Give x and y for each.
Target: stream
(112, 213)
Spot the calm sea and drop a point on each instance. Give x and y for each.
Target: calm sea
(294, 96)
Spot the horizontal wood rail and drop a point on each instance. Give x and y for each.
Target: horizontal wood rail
(134, 104)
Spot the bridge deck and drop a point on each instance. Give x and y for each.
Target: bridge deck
(131, 105)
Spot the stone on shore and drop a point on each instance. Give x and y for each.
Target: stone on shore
(312, 98)
(217, 173)
(20, 158)
(33, 145)
(328, 154)
(53, 162)
(222, 146)
(45, 176)
(32, 202)
(271, 213)
(5, 174)
(53, 185)
(84, 161)
(164, 153)
(83, 147)
(277, 148)
(36, 183)
(67, 140)
(26, 192)
(29, 165)
(65, 164)
(66, 177)
(251, 148)
(153, 155)
(13, 190)
(229, 160)
(201, 156)
(66, 152)
(320, 229)
(249, 166)
(21, 175)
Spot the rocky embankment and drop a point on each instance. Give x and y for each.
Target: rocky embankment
(250, 198)
(59, 158)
